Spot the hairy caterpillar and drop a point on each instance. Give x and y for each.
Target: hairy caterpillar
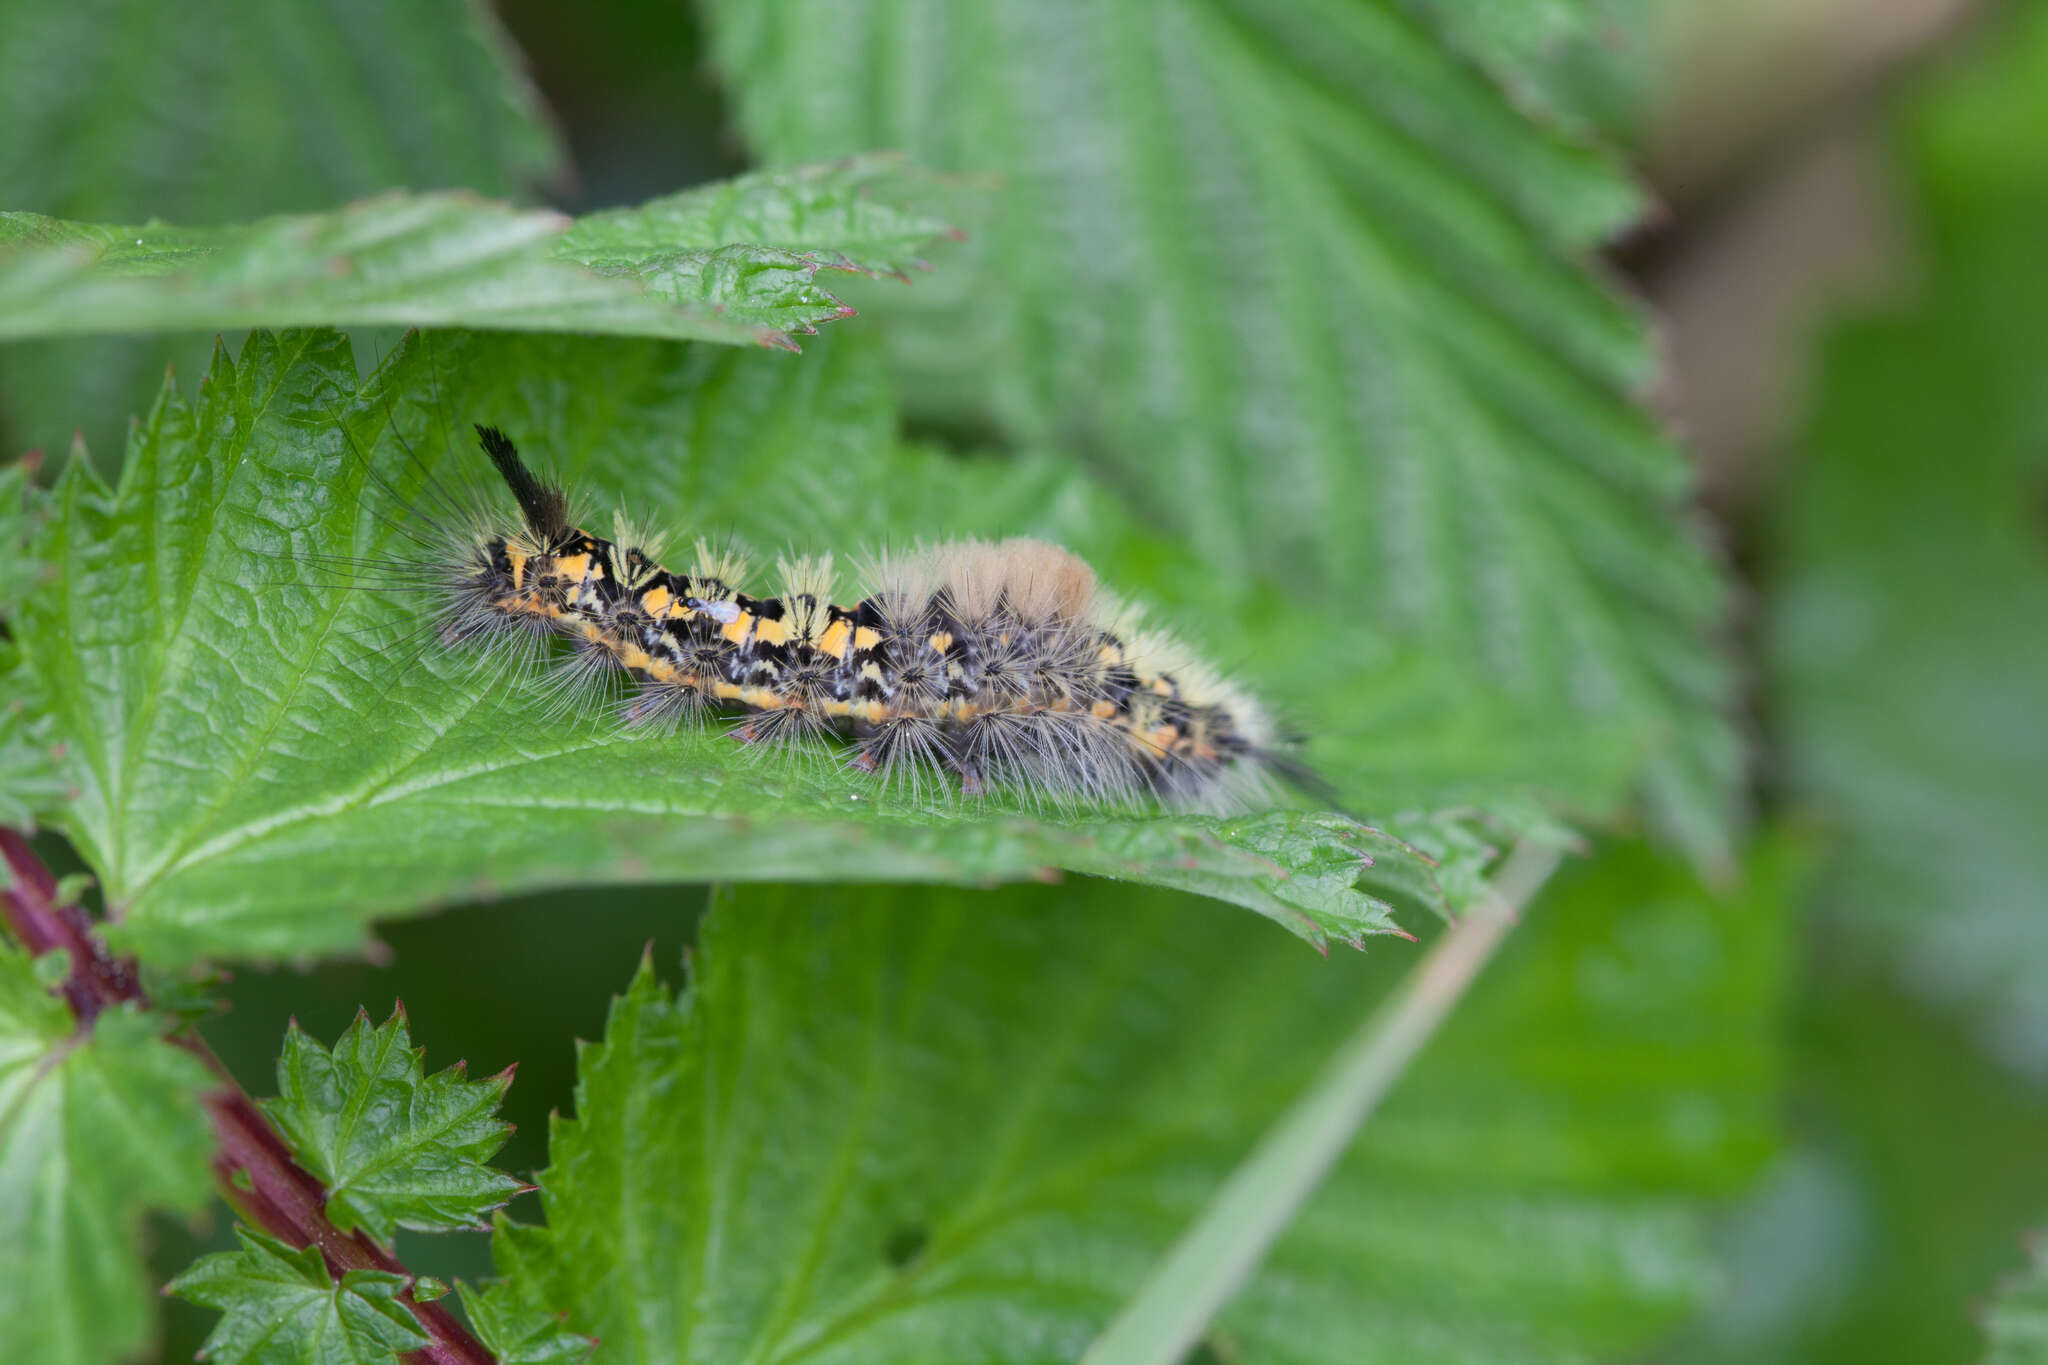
(999, 666)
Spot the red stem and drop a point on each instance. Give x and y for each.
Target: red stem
(97, 978)
(254, 1168)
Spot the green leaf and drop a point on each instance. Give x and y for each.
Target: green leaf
(20, 504)
(32, 780)
(394, 1146)
(1217, 1253)
(955, 1127)
(267, 760)
(2016, 1323)
(97, 1126)
(101, 105)
(663, 269)
(304, 106)
(1590, 66)
(281, 1307)
(1907, 662)
(704, 246)
(518, 1333)
(1315, 295)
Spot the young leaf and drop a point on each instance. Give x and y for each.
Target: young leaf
(394, 1146)
(662, 269)
(108, 127)
(2016, 1323)
(956, 1127)
(97, 1126)
(1904, 628)
(1314, 292)
(518, 1333)
(281, 1307)
(267, 759)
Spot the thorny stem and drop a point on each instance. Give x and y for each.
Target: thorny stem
(1218, 1252)
(251, 1163)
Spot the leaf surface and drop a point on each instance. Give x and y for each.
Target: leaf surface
(31, 761)
(1314, 295)
(394, 1146)
(280, 1306)
(956, 1127)
(122, 111)
(662, 269)
(517, 1333)
(96, 1128)
(267, 759)
(31, 779)
(20, 503)
(1589, 67)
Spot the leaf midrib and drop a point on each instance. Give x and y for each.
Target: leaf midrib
(184, 853)
(140, 728)
(352, 1111)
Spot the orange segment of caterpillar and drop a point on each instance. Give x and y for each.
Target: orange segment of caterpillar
(996, 666)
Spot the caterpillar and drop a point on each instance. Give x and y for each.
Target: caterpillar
(995, 666)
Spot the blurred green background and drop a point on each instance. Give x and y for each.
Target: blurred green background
(1847, 257)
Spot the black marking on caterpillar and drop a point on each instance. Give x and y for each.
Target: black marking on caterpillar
(986, 666)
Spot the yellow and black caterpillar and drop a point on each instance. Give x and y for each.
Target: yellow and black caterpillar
(1000, 664)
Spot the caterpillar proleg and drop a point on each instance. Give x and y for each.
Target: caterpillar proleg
(982, 666)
